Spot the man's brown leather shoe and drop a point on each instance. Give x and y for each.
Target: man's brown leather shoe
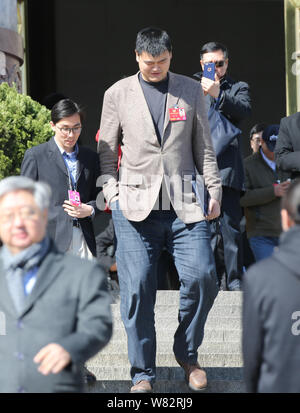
(143, 386)
(194, 375)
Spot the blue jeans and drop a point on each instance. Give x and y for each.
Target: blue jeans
(139, 245)
(263, 247)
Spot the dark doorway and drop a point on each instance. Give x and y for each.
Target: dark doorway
(79, 48)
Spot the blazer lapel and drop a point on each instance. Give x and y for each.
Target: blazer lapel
(139, 101)
(5, 297)
(48, 271)
(80, 160)
(56, 156)
(174, 93)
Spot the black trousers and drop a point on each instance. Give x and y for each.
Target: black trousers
(226, 240)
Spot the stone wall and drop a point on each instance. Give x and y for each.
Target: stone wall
(11, 44)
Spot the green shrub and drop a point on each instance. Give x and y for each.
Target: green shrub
(23, 123)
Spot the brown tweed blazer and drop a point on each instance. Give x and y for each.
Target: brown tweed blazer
(186, 154)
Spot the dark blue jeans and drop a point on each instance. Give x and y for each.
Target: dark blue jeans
(139, 245)
(263, 247)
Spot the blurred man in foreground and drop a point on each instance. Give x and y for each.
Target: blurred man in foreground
(271, 310)
(56, 307)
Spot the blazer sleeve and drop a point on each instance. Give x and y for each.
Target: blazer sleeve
(95, 189)
(29, 165)
(94, 319)
(287, 159)
(252, 335)
(109, 137)
(236, 104)
(203, 151)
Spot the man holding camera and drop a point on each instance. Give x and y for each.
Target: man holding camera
(232, 99)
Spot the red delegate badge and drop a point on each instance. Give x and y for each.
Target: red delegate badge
(177, 114)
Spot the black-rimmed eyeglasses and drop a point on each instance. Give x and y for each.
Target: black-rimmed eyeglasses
(67, 131)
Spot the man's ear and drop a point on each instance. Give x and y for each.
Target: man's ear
(137, 56)
(202, 65)
(52, 125)
(286, 220)
(45, 214)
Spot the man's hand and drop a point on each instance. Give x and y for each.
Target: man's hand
(113, 267)
(53, 358)
(81, 211)
(210, 87)
(280, 189)
(214, 209)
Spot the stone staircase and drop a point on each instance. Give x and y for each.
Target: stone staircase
(220, 353)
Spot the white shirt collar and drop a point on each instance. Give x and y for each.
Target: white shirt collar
(272, 164)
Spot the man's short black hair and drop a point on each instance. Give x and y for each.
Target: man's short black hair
(213, 47)
(259, 127)
(153, 40)
(65, 108)
(291, 201)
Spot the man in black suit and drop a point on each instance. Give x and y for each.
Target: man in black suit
(233, 101)
(271, 310)
(287, 150)
(65, 166)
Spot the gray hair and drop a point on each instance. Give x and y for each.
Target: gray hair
(40, 190)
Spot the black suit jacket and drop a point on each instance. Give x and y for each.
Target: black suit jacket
(235, 105)
(45, 163)
(271, 319)
(69, 305)
(287, 150)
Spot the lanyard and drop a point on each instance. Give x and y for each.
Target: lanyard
(72, 181)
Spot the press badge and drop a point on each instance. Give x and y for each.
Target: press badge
(177, 114)
(74, 198)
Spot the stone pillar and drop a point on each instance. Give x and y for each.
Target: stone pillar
(292, 55)
(11, 44)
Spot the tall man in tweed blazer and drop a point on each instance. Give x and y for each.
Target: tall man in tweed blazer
(157, 200)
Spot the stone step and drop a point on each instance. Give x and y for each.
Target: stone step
(172, 323)
(167, 359)
(120, 346)
(172, 310)
(210, 334)
(220, 352)
(166, 386)
(111, 373)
